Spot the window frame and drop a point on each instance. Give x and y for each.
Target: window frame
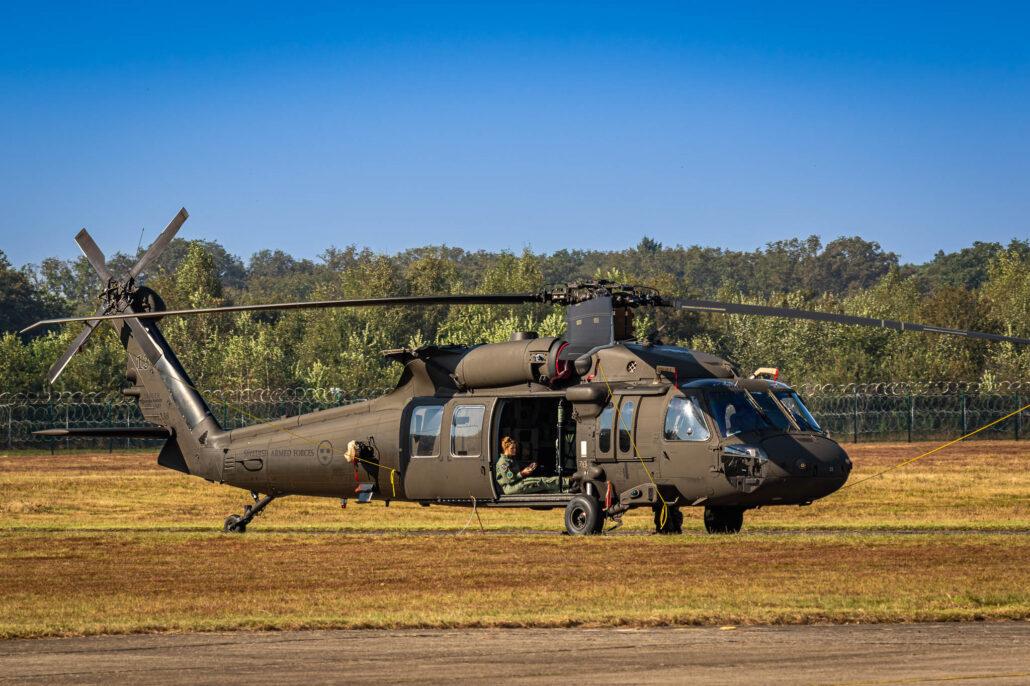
(482, 425)
(435, 407)
(618, 432)
(610, 408)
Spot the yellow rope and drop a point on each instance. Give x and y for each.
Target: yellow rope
(622, 422)
(279, 428)
(986, 426)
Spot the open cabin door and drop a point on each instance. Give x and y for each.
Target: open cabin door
(445, 448)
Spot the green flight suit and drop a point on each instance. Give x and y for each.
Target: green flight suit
(507, 473)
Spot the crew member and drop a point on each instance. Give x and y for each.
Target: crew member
(514, 478)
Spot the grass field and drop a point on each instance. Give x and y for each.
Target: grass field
(112, 543)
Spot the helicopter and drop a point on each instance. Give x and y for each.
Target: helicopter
(622, 423)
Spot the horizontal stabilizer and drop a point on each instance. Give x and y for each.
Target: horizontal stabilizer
(109, 432)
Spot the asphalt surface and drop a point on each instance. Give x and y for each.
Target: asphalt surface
(970, 653)
(254, 529)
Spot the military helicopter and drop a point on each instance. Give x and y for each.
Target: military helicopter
(627, 423)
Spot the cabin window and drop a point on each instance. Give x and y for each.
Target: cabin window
(625, 426)
(425, 430)
(684, 421)
(604, 435)
(466, 430)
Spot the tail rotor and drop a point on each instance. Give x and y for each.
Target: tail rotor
(120, 296)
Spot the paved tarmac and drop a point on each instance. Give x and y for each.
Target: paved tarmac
(996, 653)
(519, 532)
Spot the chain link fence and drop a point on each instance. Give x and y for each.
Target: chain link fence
(918, 411)
(21, 414)
(852, 412)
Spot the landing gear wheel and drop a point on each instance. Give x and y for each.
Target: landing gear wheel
(234, 524)
(724, 520)
(583, 516)
(673, 520)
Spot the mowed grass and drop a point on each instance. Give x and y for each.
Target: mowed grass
(113, 544)
(73, 584)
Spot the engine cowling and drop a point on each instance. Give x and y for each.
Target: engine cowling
(513, 362)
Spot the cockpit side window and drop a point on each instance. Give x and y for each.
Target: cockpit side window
(684, 421)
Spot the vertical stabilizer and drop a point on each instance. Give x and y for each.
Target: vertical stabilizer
(168, 397)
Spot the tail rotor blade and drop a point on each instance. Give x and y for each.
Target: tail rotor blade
(93, 254)
(80, 340)
(142, 337)
(158, 246)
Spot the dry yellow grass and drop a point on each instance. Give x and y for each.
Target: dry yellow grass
(114, 543)
(969, 486)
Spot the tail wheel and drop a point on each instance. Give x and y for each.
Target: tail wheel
(583, 516)
(724, 520)
(234, 524)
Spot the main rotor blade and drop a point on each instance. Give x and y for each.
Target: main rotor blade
(486, 299)
(158, 246)
(790, 313)
(93, 255)
(80, 340)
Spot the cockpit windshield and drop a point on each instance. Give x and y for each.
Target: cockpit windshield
(798, 411)
(734, 412)
(771, 410)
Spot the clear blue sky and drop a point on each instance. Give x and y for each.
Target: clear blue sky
(494, 126)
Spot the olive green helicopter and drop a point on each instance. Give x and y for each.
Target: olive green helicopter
(622, 423)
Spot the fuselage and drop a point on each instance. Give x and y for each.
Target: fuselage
(690, 441)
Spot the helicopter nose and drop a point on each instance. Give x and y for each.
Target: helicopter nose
(816, 464)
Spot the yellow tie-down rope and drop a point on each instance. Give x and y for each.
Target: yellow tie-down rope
(622, 422)
(393, 471)
(930, 452)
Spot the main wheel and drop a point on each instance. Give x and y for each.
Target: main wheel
(234, 525)
(583, 516)
(673, 520)
(724, 520)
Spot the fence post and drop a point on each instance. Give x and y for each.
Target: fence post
(10, 411)
(1018, 416)
(339, 398)
(51, 423)
(910, 418)
(963, 395)
(225, 415)
(110, 439)
(854, 419)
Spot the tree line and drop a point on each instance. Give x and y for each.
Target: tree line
(985, 287)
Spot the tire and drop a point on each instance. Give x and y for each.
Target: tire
(234, 525)
(583, 516)
(673, 521)
(724, 520)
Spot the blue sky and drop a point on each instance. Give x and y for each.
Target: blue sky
(553, 125)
